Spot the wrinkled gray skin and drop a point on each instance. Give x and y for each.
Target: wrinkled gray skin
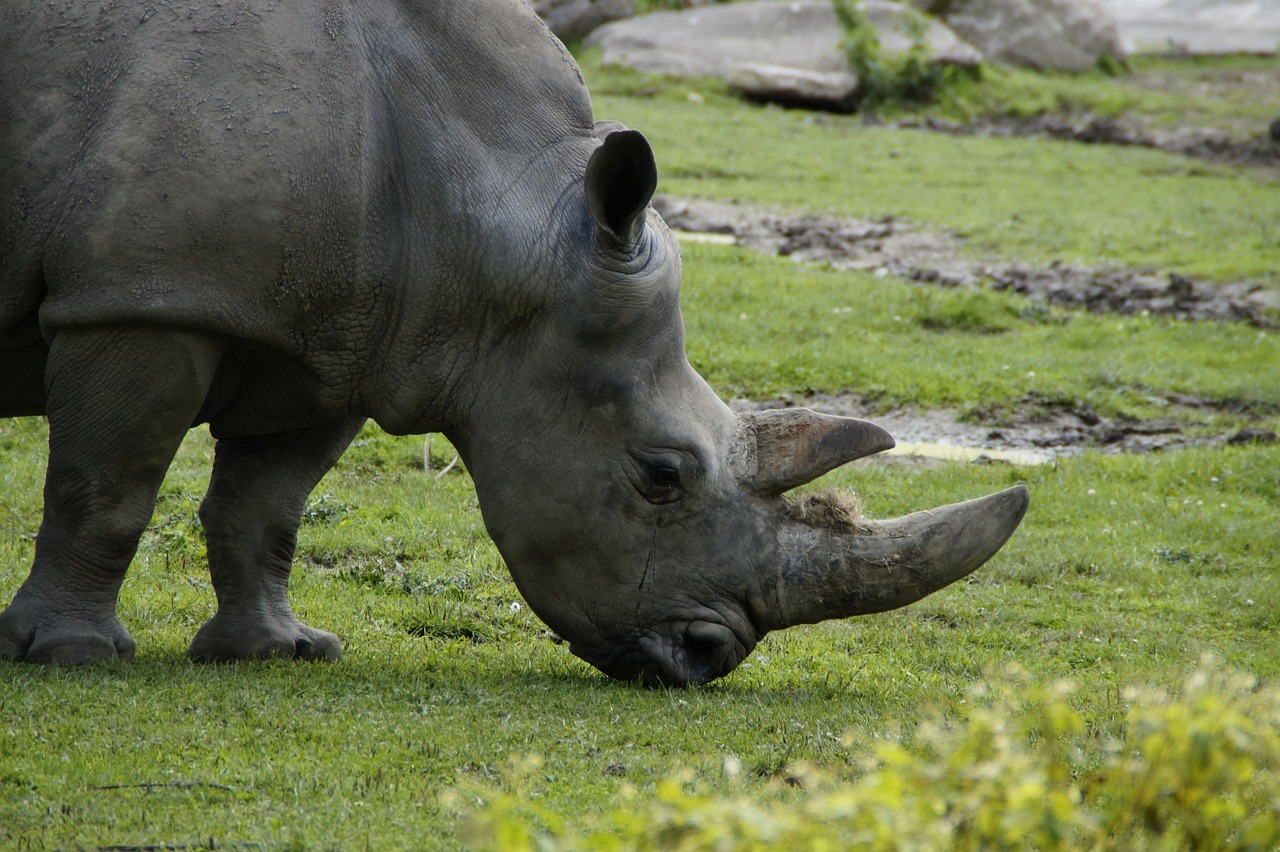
(282, 221)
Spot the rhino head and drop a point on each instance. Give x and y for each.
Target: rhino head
(642, 519)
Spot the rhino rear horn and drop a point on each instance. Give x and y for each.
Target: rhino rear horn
(621, 179)
(781, 449)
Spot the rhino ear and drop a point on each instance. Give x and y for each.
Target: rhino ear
(621, 179)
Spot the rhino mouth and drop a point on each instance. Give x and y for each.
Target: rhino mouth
(687, 654)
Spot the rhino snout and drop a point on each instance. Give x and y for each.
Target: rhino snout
(686, 654)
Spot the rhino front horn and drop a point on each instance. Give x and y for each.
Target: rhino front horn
(780, 449)
(836, 570)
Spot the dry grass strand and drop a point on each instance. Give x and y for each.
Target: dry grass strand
(838, 511)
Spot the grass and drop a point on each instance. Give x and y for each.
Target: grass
(1127, 571)
(760, 327)
(1033, 199)
(454, 708)
(1223, 93)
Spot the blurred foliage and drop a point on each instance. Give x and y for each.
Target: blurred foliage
(1018, 769)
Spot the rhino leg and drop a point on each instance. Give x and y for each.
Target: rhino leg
(250, 515)
(119, 402)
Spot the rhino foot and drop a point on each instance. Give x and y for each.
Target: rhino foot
(28, 634)
(223, 639)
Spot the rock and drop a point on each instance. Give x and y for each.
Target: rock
(1181, 288)
(1060, 35)
(1250, 435)
(787, 52)
(796, 86)
(572, 20)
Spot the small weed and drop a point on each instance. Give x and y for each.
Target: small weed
(1042, 314)
(446, 621)
(1181, 556)
(326, 509)
(971, 315)
(645, 6)
(373, 575)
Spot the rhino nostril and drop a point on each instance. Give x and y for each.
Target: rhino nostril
(708, 649)
(701, 652)
(703, 657)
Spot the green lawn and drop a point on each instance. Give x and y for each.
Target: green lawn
(456, 720)
(1034, 199)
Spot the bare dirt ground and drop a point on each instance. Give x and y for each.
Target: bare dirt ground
(1035, 429)
(1206, 143)
(890, 246)
(1226, 137)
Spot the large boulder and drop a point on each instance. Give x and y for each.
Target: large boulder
(784, 51)
(1060, 35)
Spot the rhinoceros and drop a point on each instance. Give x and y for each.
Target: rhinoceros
(285, 219)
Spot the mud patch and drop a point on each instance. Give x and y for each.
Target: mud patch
(1030, 431)
(1232, 136)
(1203, 143)
(888, 246)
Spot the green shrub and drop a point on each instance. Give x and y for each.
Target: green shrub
(644, 7)
(1023, 768)
(887, 80)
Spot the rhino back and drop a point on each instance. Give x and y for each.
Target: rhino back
(296, 174)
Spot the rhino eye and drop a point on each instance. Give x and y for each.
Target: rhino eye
(657, 477)
(664, 484)
(665, 477)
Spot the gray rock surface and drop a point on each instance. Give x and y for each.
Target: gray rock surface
(783, 84)
(1200, 26)
(1061, 35)
(1191, 26)
(783, 51)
